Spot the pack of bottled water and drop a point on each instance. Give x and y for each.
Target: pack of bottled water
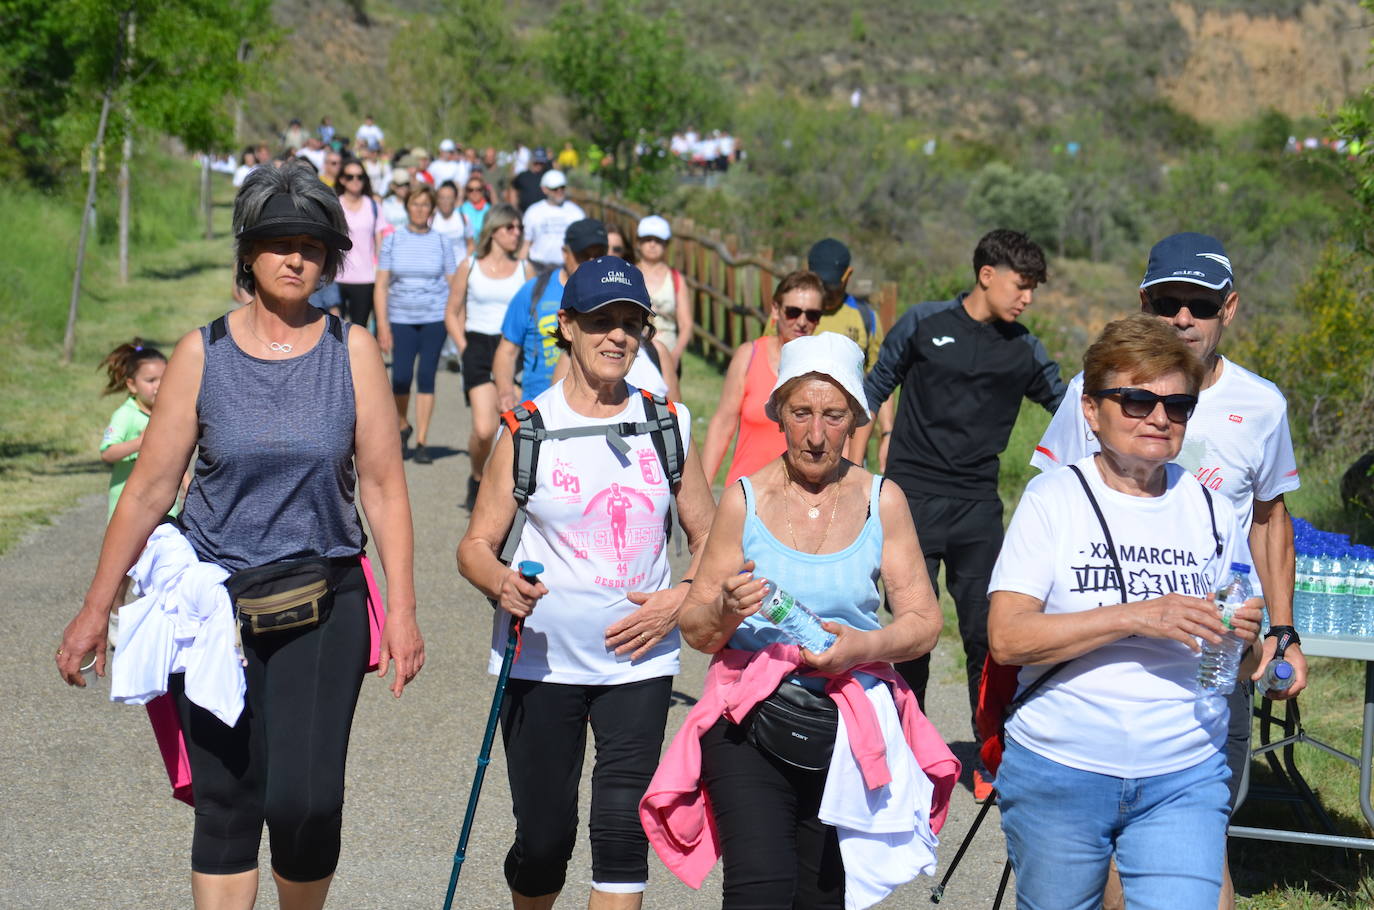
(1333, 590)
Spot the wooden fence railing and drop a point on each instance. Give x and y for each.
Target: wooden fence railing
(732, 291)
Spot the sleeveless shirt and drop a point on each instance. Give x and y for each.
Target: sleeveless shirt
(488, 298)
(274, 476)
(664, 301)
(760, 439)
(840, 587)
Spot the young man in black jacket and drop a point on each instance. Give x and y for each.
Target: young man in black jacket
(964, 365)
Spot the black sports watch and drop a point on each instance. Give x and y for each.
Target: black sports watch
(1287, 635)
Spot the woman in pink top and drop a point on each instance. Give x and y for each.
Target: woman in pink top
(749, 381)
(364, 216)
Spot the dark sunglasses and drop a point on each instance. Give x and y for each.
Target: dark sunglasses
(474, 189)
(347, 176)
(1140, 403)
(792, 312)
(1200, 307)
(617, 251)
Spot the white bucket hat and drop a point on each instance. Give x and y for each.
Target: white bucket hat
(829, 355)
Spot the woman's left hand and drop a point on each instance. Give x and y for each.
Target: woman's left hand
(847, 651)
(402, 643)
(638, 633)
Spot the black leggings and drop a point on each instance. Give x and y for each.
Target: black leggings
(283, 762)
(544, 728)
(778, 855)
(357, 302)
(424, 340)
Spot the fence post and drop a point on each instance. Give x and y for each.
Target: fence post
(887, 304)
(688, 253)
(766, 284)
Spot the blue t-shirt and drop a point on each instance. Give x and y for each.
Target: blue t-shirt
(420, 265)
(535, 331)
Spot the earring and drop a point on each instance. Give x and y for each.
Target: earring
(247, 269)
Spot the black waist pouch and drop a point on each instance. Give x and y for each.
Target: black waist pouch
(795, 725)
(291, 594)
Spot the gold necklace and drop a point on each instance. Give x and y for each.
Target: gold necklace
(834, 507)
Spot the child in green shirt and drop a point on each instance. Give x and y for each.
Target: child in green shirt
(134, 368)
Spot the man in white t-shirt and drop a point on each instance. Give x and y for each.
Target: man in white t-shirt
(370, 134)
(446, 166)
(546, 222)
(1238, 444)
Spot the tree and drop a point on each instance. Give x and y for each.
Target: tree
(1034, 203)
(629, 78)
(459, 73)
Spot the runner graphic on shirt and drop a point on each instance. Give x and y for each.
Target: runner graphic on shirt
(633, 527)
(618, 507)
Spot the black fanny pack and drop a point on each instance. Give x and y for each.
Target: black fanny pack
(291, 594)
(795, 725)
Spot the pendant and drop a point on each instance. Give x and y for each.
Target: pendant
(277, 348)
(813, 513)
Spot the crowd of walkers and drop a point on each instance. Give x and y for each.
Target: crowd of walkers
(807, 764)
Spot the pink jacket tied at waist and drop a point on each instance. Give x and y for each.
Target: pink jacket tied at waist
(675, 811)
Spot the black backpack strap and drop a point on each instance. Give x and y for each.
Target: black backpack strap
(334, 325)
(651, 351)
(526, 427)
(660, 418)
(1211, 513)
(540, 285)
(1106, 531)
(219, 328)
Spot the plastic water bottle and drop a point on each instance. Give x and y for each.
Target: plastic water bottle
(1302, 593)
(1278, 676)
(796, 622)
(1320, 613)
(1220, 662)
(1361, 622)
(1337, 592)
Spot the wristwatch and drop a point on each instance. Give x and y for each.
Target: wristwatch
(1287, 635)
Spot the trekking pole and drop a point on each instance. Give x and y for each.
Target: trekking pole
(939, 890)
(530, 571)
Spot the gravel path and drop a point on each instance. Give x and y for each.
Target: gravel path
(92, 823)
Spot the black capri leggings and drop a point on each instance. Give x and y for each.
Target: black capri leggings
(357, 302)
(283, 762)
(544, 728)
(778, 855)
(424, 340)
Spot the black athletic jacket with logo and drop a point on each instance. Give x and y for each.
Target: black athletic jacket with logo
(962, 383)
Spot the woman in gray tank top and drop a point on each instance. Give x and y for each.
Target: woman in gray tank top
(289, 415)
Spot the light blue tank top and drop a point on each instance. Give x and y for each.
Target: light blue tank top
(840, 587)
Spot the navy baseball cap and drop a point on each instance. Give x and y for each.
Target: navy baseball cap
(583, 233)
(608, 279)
(829, 259)
(1194, 258)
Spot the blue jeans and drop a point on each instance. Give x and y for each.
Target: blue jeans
(1063, 825)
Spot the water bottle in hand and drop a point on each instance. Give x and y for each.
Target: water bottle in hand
(796, 622)
(1278, 676)
(1220, 662)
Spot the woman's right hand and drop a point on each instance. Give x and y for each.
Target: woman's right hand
(384, 338)
(1179, 617)
(743, 593)
(87, 632)
(518, 596)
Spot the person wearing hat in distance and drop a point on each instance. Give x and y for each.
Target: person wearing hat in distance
(600, 625)
(667, 290)
(290, 406)
(964, 365)
(394, 205)
(525, 189)
(843, 314)
(448, 166)
(547, 221)
(1238, 445)
(825, 531)
(420, 169)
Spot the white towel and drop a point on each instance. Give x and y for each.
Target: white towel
(884, 834)
(183, 623)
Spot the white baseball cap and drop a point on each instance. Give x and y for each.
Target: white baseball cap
(447, 146)
(829, 355)
(553, 180)
(654, 226)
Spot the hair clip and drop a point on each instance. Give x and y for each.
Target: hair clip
(138, 347)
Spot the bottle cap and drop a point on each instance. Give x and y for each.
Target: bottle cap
(1240, 568)
(1283, 670)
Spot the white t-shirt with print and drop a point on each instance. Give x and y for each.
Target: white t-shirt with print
(1127, 708)
(1237, 443)
(596, 522)
(545, 225)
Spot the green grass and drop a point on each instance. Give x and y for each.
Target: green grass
(54, 414)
